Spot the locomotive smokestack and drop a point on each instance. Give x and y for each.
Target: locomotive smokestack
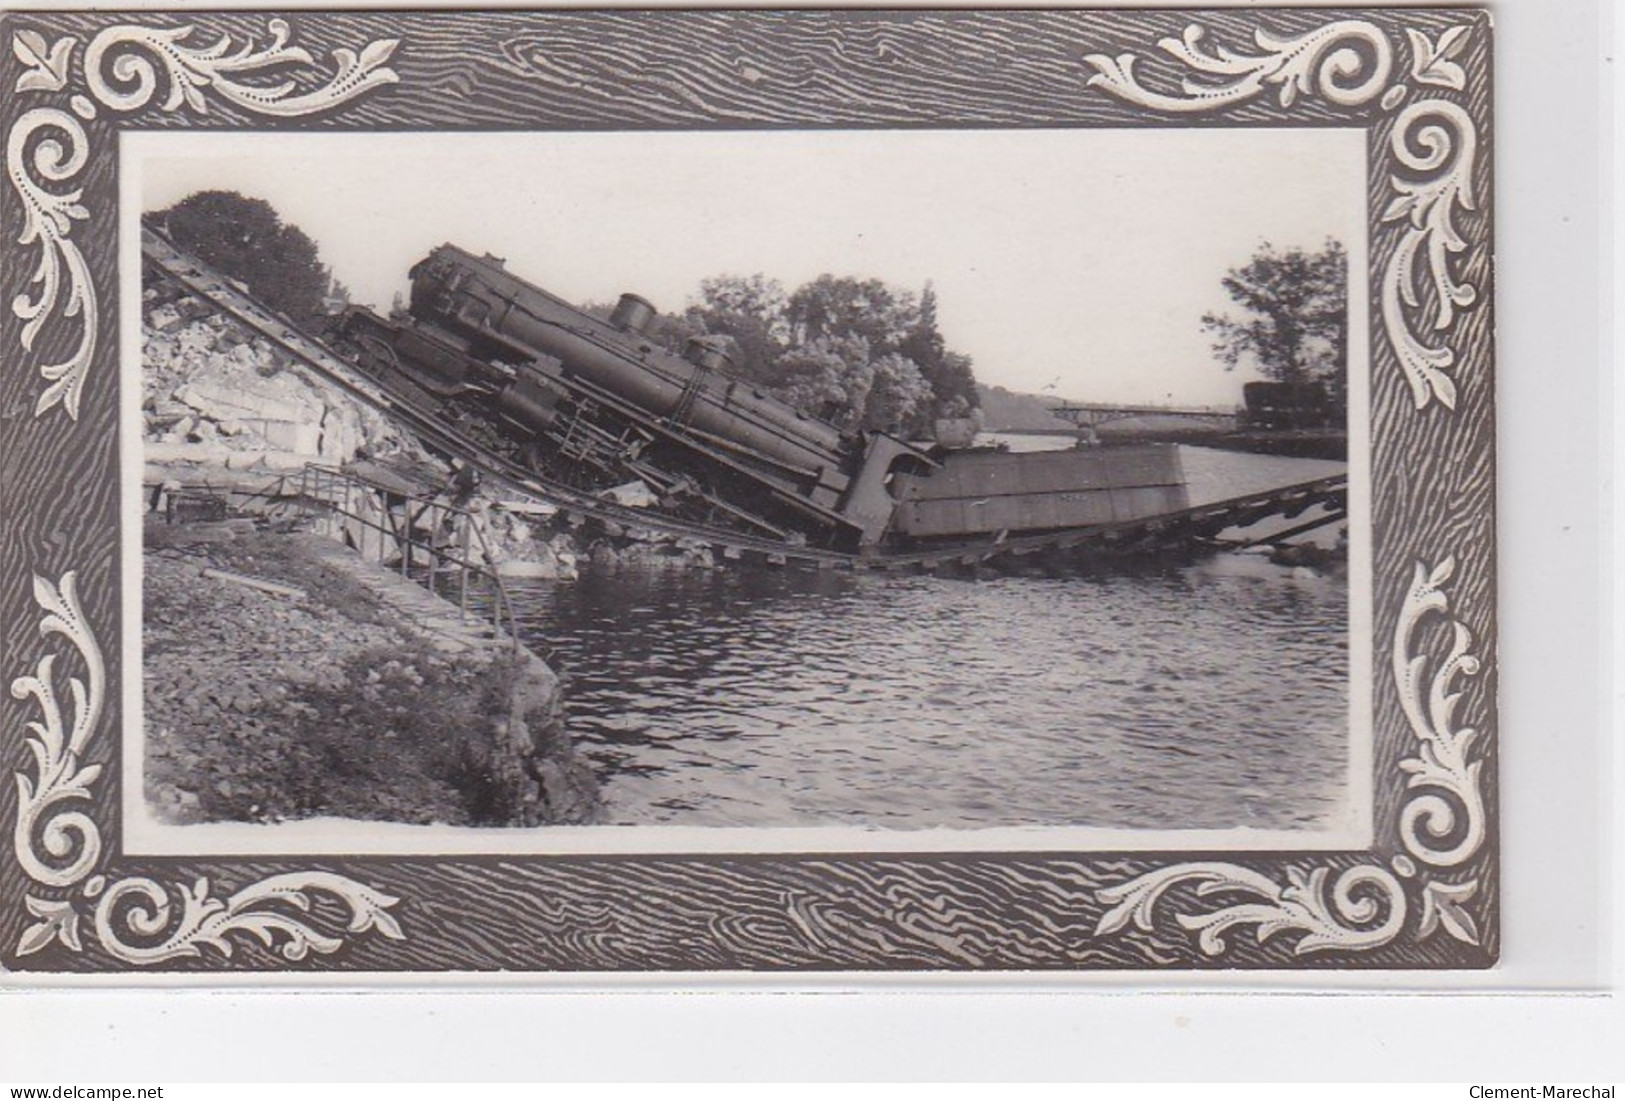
(632, 314)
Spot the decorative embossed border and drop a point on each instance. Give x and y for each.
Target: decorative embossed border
(1415, 81)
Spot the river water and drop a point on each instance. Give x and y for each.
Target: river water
(1211, 695)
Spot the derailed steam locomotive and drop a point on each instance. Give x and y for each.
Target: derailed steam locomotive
(594, 402)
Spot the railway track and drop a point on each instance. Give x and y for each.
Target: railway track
(1195, 524)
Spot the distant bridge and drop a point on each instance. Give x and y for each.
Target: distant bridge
(1088, 414)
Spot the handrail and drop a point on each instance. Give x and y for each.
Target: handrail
(503, 602)
(325, 486)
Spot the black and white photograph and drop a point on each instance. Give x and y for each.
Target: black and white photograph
(777, 491)
(946, 495)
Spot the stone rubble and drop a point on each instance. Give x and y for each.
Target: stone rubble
(213, 394)
(555, 545)
(218, 401)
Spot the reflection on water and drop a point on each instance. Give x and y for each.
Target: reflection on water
(1203, 696)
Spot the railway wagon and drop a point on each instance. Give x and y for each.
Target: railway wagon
(1276, 406)
(979, 493)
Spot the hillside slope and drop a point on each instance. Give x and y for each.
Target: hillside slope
(1007, 411)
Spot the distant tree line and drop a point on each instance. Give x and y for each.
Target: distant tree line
(856, 352)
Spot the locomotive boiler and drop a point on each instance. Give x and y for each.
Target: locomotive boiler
(582, 399)
(605, 396)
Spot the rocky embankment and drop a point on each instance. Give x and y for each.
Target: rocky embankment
(266, 706)
(213, 394)
(224, 408)
(329, 701)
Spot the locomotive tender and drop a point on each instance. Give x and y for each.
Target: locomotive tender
(583, 399)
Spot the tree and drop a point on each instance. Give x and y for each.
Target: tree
(853, 351)
(755, 296)
(1294, 322)
(954, 385)
(829, 377)
(245, 239)
(844, 306)
(750, 309)
(948, 374)
(898, 395)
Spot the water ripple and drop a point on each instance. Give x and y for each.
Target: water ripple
(1188, 698)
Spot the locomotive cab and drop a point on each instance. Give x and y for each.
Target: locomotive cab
(871, 501)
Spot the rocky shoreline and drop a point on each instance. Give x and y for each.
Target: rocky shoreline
(225, 410)
(533, 540)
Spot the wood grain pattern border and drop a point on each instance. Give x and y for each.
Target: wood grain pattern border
(1415, 81)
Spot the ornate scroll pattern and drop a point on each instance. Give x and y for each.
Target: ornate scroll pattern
(1347, 63)
(47, 146)
(190, 69)
(1443, 763)
(71, 839)
(1441, 825)
(1348, 918)
(134, 917)
(48, 219)
(206, 920)
(1440, 164)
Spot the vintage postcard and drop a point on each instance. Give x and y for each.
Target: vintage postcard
(775, 491)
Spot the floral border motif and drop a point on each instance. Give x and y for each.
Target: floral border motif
(72, 841)
(1446, 800)
(1442, 768)
(48, 218)
(1439, 184)
(119, 71)
(1444, 762)
(1347, 63)
(134, 918)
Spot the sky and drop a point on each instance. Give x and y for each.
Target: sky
(1076, 263)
